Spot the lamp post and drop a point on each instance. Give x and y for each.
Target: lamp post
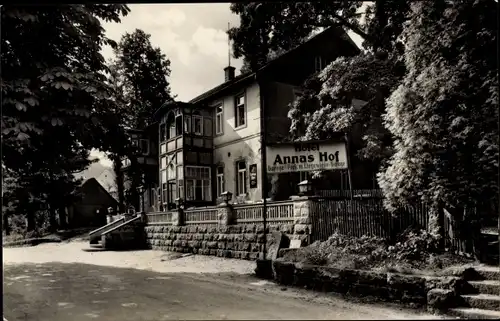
(141, 192)
(180, 202)
(226, 197)
(305, 188)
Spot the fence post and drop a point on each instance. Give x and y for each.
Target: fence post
(225, 214)
(178, 218)
(302, 207)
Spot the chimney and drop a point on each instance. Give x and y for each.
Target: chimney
(229, 73)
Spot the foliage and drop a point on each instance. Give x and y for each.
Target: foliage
(367, 76)
(141, 72)
(270, 26)
(415, 249)
(56, 104)
(444, 114)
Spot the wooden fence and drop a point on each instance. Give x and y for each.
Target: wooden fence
(362, 217)
(277, 212)
(356, 193)
(206, 215)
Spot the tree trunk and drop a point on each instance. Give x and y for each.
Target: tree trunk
(52, 219)
(117, 166)
(6, 226)
(62, 217)
(30, 220)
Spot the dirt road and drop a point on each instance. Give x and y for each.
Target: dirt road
(64, 282)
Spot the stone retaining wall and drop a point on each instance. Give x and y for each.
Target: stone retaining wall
(231, 241)
(438, 293)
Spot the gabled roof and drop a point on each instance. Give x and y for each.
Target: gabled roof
(241, 78)
(94, 181)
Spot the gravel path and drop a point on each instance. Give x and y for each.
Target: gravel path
(225, 288)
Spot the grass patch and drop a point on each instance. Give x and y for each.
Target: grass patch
(415, 252)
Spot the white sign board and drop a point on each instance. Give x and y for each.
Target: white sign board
(306, 156)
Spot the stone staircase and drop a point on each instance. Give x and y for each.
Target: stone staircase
(480, 297)
(490, 239)
(125, 233)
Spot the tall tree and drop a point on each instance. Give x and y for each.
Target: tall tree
(55, 99)
(139, 75)
(272, 26)
(444, 114)
(325, 106)
(142, 71)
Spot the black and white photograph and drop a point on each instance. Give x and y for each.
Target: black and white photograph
(323, 160)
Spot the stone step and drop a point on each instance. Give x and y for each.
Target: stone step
(482, 301)
(472, 313)
(488, 272)
(485, 287)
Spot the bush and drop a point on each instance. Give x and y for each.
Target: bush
(414, 249)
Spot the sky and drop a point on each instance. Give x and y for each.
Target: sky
(193, 36)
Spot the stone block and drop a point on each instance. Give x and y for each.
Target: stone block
(202, 229)
(213, 230)
(301, 229)
(213, 252)
(253, 256)
(212, 245)
(250, 237)
(195, 250)
(193, 229)
(286, 228)
(239, 237)
(255, 247)
(223, 237)
(440, 300)
(231, 246)
(189, 237)
(177, 243)
(277, 241)
(302, 220)
(204, 244)
(409, 283)
(244, 246)
(249, 228)
(220, 253)
(221, 245)
(184, 243)
(283, 272)
(261, 237)
(234, 229)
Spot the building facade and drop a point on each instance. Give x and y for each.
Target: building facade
(213, 143)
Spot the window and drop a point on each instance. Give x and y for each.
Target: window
(220, 180)
(198, 183)
(178, 125)
(240, 111)
(162, 133)
(163, 162)
(145, 146)
(187, 124)
(218, 120)
(318, 64)
(172, 192)
(164, 193)
(198, 125)
(241, 178)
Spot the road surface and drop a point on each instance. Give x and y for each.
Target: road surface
(61, 291)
